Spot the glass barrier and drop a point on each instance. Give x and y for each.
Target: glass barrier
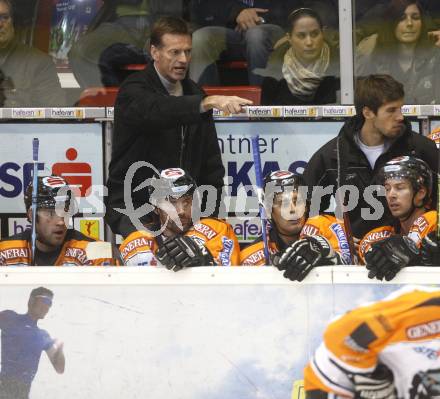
(142, 332)
(53, 51)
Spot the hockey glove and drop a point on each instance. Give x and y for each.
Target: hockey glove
(425, 385)
(379, 384)
(430, 250)
(181, 251)
(385, 258)
(303, 255)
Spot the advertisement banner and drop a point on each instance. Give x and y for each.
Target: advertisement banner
(18, 225)
(73, 151)
(188, 342)
(90, 227)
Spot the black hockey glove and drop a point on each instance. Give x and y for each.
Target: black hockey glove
(379, 384)
(303, 255)
(182, 251)
(425, 385)
(430, 250)
(385, 258)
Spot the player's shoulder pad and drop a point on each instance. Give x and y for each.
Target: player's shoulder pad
(377, 234)
(209, 228)
(138, 238)
(253, 254)
(8, 313)
(422, 226)
(215, 221)
(315, 224)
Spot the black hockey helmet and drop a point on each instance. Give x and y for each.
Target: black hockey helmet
(414, 169)
(172, 182)
(279, 179)
(53, 191)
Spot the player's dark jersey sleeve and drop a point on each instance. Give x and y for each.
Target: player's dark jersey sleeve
(46, 340)
(5, 316)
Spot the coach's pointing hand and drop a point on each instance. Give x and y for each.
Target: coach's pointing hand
(231, 104)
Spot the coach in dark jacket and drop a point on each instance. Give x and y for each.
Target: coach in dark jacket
(378, 99)
(164, 118)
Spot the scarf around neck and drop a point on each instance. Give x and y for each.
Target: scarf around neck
(303, 82)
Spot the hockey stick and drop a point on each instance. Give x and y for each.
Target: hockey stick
(35, 145)
(259, 192)
(340, 202)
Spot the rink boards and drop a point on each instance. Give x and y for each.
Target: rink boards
(204, 333)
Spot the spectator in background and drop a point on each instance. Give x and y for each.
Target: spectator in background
(328, 11)
(29, 76)
(432, 8)
(25, 12)
(232, 30)
(117, 37)
(310, 69)
(368, 17)
(164, 118)
(402, 49)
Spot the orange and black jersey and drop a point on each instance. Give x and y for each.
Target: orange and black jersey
(16, 251)
(253, 254)
(218, 236)
(401, 332)
(326, 226)
(421, 227)
(333, 230)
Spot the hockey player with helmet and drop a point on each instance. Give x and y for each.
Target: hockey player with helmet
(296, 244)
(388, 349)
(387, 249)
(56, 244)
(173, 239)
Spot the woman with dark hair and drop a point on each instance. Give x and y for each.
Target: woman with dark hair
(402, 48)
(310, 70)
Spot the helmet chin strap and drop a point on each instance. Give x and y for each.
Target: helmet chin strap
(45, 242)
(409, 213)
(413, 208)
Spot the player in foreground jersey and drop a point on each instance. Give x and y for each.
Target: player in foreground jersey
(56, 244)
(388, 349)
(408, 186)
(296, 244)
(175, 239)
(22, 344)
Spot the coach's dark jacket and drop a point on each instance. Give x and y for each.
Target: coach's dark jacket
(355, 168)
(166, 131)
